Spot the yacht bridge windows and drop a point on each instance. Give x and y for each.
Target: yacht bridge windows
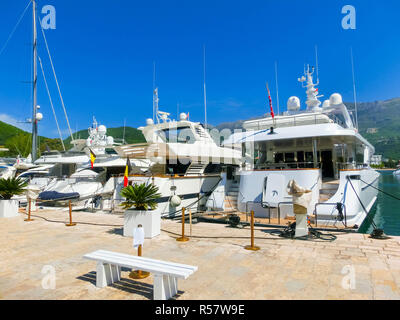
(324, 153)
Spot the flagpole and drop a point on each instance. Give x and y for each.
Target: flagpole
(270, 105)
(276, 81)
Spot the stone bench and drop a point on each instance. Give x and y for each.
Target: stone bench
(166, 274)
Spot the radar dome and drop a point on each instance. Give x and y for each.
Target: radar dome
(335, 99)
(293, 104)
(326, 104)
(149, 122)
(102, 130)
(110, 141)
(182, 116)
(39, 116)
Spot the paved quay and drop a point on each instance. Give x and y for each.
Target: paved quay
(282, 269)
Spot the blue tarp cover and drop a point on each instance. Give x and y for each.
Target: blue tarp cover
(54, 195)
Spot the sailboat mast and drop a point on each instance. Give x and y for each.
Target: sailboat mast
(205, 93)
(34, 84)
(354, 88)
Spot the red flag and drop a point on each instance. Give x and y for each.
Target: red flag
(187, 117)
(270, 102)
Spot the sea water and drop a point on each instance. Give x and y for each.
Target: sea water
(386, 211)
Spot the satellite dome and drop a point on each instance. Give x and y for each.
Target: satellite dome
(326, 103)
(110, 141)
(102, 130)
(335, 99)
(182, 116)
(149, 122)
(293, 104)
(39, 116)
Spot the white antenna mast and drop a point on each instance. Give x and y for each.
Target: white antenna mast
(154, 88)
(205, 94)
(316, 62)
(123, 135)
(276, 81)
(354, 88)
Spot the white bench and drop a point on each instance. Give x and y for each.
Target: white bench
(166, 274)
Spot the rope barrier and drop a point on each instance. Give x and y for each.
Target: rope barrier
(377, 233)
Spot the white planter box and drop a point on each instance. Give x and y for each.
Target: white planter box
(8, 208)
(150, 221)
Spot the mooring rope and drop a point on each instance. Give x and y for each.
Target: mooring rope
(384, 192)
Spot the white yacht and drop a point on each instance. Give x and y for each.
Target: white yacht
(71, 175)
(320, 148)
(186, 163)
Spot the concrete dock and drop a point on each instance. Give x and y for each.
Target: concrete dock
(353, 266)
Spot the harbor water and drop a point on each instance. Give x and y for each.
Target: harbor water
(386, 211)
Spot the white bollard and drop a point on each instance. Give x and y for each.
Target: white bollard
(301, 200)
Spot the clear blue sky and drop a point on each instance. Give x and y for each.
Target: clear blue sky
(103, 52)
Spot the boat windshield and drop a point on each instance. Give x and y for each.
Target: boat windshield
(177, 135)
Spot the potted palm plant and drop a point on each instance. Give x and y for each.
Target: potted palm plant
(140, 205)
(8, 188)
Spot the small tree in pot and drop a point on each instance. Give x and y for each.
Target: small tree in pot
(9, 188)
(140, 204)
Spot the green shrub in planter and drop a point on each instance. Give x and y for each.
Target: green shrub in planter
(140, 197)
(10, 187)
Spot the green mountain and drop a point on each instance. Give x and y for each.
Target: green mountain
(19, 141)
(132, 135)
(379, 123)
(7, 131)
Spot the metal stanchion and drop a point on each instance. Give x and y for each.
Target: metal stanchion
(183, 238)
(70, 224)
(139, 274)
(190, 220)
(252, 246)
(29, 212)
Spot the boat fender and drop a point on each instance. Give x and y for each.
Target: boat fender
(339, 208)
(175, 201)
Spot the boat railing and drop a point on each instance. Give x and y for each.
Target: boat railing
(336, 204)
(295, 120)
(349, 166)
(287, 165)
(266, 205)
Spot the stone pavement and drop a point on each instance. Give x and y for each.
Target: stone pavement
(282, 269)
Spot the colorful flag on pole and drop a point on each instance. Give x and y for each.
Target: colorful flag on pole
(187, 116)
(127, 170)
(92, 157)
(270, 102)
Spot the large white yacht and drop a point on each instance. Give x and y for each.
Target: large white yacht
(186, 163)
(320, 148)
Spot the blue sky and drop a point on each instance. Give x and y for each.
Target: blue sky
(104, 51)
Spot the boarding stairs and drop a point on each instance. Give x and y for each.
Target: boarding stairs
(328, 189)
(231, 197)
(196, 169)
